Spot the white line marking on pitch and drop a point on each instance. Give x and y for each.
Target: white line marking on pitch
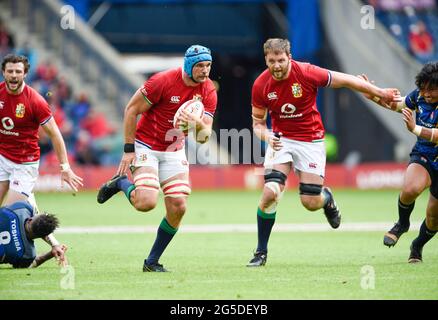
(246, 228)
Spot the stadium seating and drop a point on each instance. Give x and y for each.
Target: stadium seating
(400, 17)
(87, 144)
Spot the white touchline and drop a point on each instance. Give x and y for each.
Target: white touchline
(245, 228)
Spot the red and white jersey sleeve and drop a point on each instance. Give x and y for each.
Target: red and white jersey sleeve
(166, 92)
(20, 116)
(320, 77)
(153, 88)
(292, 102)
(210, 101)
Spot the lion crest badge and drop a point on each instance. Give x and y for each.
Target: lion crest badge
(296, 90)
(19, 111)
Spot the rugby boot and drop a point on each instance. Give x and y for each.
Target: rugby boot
(331, 211)
(109, 188)
(153, 267)
(259, 259)
(391, 237)
(416, 254)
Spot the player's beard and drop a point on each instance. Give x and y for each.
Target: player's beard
(281, 73)
(14, 86)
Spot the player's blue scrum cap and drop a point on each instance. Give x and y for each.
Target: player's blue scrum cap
(195, 54)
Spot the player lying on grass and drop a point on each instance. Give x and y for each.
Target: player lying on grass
(422, 171)
(19, 226)
(22, 112)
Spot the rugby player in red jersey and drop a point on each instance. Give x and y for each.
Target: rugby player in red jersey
(154, 150)
(22, 111)
(287, 89)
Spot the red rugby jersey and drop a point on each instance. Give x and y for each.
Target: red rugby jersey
(166, 91)
(292, 102)
(20, 117)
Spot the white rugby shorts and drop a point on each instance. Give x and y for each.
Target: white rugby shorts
(167, 164)
(305, 156)
(21, 177)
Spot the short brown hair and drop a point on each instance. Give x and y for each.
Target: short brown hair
(13, 58)
(276, 45)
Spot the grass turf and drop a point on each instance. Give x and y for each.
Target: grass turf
(316, 265)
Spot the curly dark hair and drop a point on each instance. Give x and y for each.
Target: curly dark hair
(44, 224)
(427, 78)
(13, 58)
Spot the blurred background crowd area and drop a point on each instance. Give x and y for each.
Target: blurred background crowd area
(88, 135)
(150, 36)
(414, 23)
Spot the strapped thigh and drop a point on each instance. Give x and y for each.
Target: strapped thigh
(176, 188)
(147, 181)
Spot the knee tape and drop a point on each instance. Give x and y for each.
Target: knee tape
(309, 189)
(274, 180)
(176, 189)
(275, 187)
(146, 181)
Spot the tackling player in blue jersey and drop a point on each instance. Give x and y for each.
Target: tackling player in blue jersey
(18, 228)
(422, 171)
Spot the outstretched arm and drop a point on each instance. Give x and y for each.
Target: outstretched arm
(67, 175)
(58, 250)
(343, 80)
(394, 106)
(39, 260)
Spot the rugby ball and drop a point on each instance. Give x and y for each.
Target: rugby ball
(192, 106)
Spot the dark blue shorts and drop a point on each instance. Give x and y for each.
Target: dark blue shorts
(422, 160)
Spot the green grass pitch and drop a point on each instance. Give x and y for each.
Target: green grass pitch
(301, 265)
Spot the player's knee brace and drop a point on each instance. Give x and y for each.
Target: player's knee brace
(276, 176)
(309, 189)
(176, 188)
(273, 181)
(146, 181)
